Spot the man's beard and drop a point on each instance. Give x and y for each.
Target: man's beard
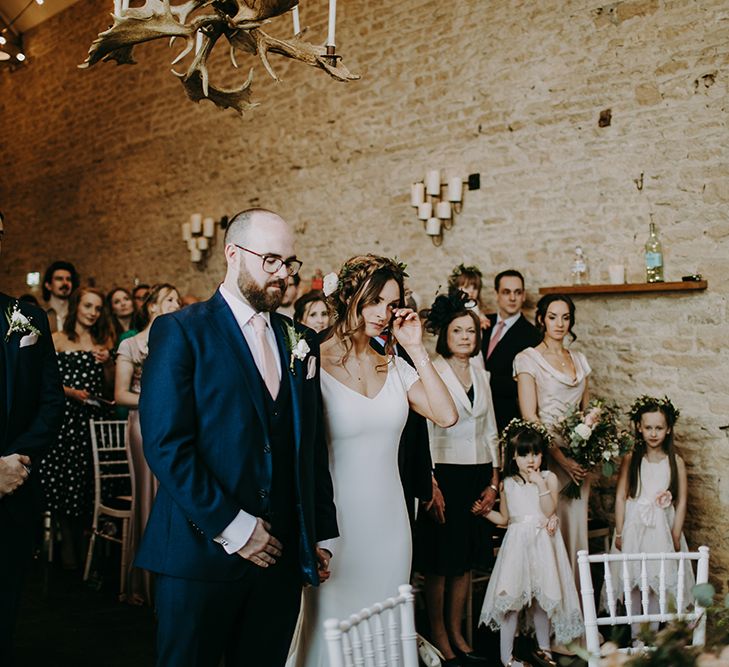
(259, 297)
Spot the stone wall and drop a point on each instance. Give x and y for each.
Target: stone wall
(101, 166)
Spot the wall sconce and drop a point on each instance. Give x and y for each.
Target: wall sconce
(438, 212)
(199, 235)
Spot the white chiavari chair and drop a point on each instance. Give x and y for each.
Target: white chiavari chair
(667, 597)
(382, 635)
(111, 462)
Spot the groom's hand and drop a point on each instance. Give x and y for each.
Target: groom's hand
(262, 548)
(14, 470)
(323, 557)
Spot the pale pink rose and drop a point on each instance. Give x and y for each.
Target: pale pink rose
(664, 499)
(592, 417)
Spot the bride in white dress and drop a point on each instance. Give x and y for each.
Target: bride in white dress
(366, 400)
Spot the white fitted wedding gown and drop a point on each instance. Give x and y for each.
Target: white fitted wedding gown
(372, 554)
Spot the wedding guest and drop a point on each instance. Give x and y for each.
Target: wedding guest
(60, 279)
(162, 299)
(290, 296)
(532, 577)
(83, 350)
(650, 506)
(232, 428)
(508, 334)
(365, 399)
(311, 310)
(188, 300)
(469, 280)
(551, 379)
(450, 543)
(120, 309)
(30, 417)
(139, 294)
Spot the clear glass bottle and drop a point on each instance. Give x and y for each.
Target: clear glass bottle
(579, 269)
(653, 257)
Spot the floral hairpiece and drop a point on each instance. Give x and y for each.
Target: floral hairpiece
(444, 307)
(462, 269)
(644, 403)
(517, 424)
(333, 282)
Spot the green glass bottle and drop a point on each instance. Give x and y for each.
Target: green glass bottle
(653, 257)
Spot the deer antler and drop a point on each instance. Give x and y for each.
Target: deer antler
(238, 20)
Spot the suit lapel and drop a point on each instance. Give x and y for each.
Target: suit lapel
(11, 354)
(454, 384)
(295, 379)
(227, 327)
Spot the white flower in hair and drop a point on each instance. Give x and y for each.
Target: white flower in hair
(331, 283)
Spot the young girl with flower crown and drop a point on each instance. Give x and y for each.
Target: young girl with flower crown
(532, 577)
(650, 502)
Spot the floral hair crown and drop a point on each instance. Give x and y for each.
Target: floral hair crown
(333, 282)
(462, 269)
(517, 424)
(647, 403)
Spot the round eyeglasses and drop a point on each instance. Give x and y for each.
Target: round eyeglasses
(273, 263)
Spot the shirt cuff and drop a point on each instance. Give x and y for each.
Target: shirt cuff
(237, 532)
(328, 545)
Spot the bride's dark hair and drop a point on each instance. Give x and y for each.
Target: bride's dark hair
(361, 280)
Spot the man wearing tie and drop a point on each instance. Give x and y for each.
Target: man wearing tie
(510, 333)
(232, 428)
(31, 411)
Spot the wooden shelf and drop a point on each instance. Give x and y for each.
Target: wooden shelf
(626, 288)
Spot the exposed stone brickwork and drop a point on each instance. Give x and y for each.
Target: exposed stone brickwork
(101, 166)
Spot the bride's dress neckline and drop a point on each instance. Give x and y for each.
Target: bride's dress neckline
(354, 391)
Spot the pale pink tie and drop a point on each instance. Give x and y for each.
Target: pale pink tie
(270, 371)
(495, 337)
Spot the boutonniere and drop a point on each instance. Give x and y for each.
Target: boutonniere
(19, 323)
(296, 344)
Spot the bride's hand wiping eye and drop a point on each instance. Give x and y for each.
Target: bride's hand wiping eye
(406, 327)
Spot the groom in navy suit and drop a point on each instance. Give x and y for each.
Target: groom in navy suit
(31, 411)
(232, 428)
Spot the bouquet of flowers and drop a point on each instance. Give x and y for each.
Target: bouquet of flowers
(593, 437)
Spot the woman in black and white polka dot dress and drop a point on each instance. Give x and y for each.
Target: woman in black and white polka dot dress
(85, 364)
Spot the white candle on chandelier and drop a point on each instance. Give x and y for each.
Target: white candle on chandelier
(425, 210)
(196, 223)
(432, 227)
(202, 243)
(432, 182)
(195, 255)
(209, 227)
(455, 188)
(417, 194)
(191, 244)
(186, 231)
(332, 22)
(297, 25)
(443, 210)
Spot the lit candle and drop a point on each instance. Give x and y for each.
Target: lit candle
(196, 223)
(209, 227)
(186, 231)
(455, 188)
(432, 227)
(432, 182)
(425, 210)
(443, 210)
(297, 26)
(417, 194)
(195, 255)
(332, 22)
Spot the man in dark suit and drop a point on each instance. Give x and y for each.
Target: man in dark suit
(232, 428)
(510, 333)
(31, 411)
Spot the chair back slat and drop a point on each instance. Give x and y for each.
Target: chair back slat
(672, 571)
(380, 636)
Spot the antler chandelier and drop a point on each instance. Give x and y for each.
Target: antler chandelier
(201, 23)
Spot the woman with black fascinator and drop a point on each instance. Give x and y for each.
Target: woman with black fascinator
(450, 538)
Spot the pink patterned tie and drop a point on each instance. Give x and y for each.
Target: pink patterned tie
(495, 337)
(270, 372)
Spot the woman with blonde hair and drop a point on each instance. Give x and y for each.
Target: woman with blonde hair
(366, 397)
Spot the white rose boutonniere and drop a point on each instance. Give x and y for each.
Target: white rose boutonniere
(297, 345)
(19, 323)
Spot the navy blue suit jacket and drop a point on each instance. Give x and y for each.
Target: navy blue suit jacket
(205, 434)
(33, 404)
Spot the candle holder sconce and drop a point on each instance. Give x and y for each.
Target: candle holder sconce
(436, 210)
(199, 235)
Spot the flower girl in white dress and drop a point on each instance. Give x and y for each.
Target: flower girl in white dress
(650, 504)
(532, 577)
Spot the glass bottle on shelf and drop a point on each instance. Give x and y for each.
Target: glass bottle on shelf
(653, 257)
(579, 268)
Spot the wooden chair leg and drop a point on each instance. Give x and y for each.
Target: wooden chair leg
(90, 554)
(124, 557)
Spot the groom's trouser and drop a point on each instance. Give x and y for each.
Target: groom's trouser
(250, 621)
(16, 552)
